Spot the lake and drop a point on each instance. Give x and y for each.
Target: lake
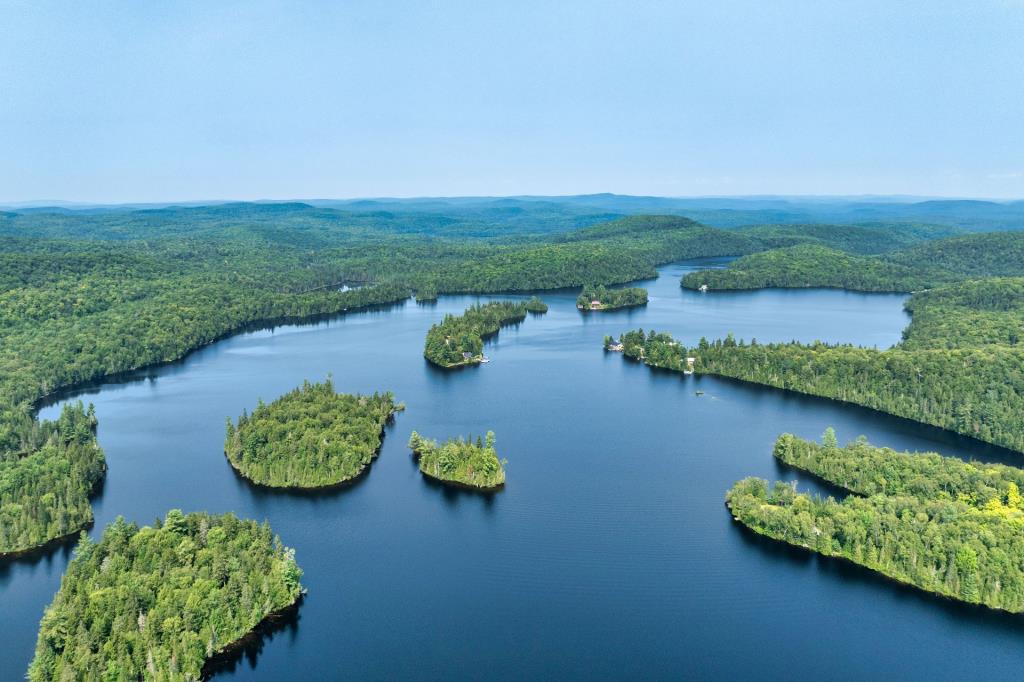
(609, 554)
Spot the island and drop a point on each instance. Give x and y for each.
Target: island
(158, 602)
(599, 298)
(459, 339)
(46, 480)
(311, 437)
(940, 524)
(460, 462)
(535, 305)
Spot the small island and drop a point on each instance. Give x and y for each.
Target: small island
(460, 462)
(535, 305)
(159, 602)
(459, 340)
(311, 437)
(595, 299)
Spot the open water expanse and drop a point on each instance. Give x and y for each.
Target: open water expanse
(609, 554)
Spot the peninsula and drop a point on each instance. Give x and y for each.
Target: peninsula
(937, 523)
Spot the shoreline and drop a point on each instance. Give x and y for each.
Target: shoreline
(222, 658)
(872, 571)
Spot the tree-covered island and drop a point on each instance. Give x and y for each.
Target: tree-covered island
(157, 602)
(459, 339)
(599, 298)
(943, 525)
(46, 478)
(311, 437)
(459, 461)
(535, 305)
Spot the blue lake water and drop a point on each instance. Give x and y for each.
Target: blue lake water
(609, 554)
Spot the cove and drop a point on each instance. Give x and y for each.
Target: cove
(609, 553)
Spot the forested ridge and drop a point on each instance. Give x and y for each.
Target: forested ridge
(960, 367)
(459, 339)
(937, 523)
(460, 460)
(309, 437)
(912, 268)
(157, 602)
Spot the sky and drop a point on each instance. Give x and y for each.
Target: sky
(173, 101)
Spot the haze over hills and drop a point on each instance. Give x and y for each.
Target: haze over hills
(570, 212)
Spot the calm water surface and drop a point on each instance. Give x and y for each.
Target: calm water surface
(609, 554)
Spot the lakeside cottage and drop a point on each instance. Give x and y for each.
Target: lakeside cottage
(689, 365)
(595, 304)
(703, 288)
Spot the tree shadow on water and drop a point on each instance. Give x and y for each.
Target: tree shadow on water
(249, 647)
(905, 597)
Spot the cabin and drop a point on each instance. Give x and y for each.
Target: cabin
(467, 356)
(616, 347)
(595, 305)
(689, 365)
(703, 288)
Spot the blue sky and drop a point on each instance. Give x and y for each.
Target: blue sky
(161, 101)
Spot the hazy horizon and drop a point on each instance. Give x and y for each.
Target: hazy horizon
(162, 103)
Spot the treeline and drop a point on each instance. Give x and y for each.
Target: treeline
(942, 525)
(460, 461)
(157, 602)
(960, 368)
(601, 298)
(459, 339)
(913, 268)
(310, 437)
(47, 472)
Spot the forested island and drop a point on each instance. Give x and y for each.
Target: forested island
(959, 367)
(600, 298)
(940, 524)
(310, 437)
(158, 602)
(537, 306)
(46, 478)
(459, 339)
(460, 461)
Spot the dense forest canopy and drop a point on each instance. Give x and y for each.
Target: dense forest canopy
(48, 469)
(460, 461)
(157, 602)
(940, 524)
(310, 437)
